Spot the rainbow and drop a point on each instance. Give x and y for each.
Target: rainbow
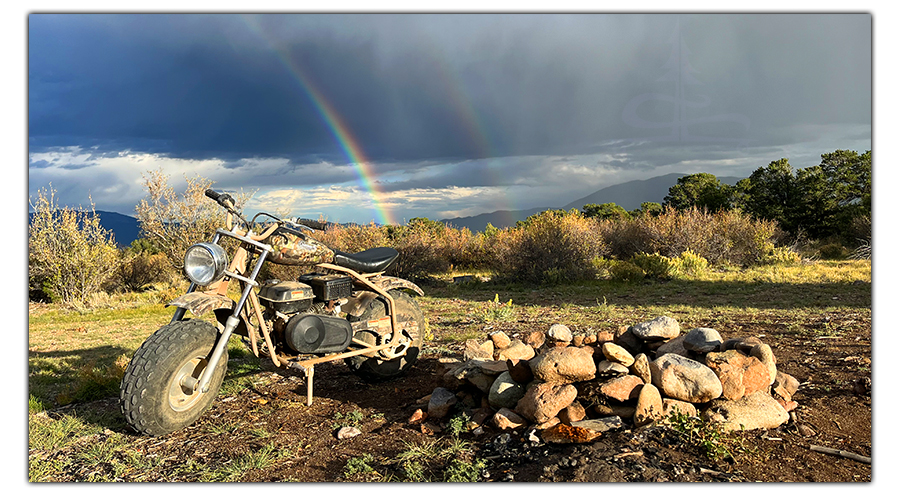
(342, 133)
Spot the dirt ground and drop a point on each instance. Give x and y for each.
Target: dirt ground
(833, 412)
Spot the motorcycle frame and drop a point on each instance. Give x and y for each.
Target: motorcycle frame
(236, 271)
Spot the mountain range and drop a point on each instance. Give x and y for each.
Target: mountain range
(628, 195)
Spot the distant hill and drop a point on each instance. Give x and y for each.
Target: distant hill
(125, 228)
(628, 195)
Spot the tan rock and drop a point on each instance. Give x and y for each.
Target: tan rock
(678, 377)
(674, 346)
(478, 350)
(500, 339)
(764, 353)
(674, 406)
(649, 406)
(506, 419)
(572, 413)
(560, 333)
(641, 367)
(563, 365)
(785, 386)
(516, 350)
(740, 374)
(535, 339)
(617, 354)
(755, 411)
(544, 401)
(622, 388)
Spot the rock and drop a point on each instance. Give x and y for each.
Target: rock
(606, 411)
(418, 416)
(468, 371)
(348, 432)
(622, 388)
(478, 350)
(572, 413)
(600, 424)
(805, 430)
(590, 338)
(567, 434)
(649, 406)
(702, 340)
(500, 339)
(674, 406)
(674, 346)
(505, 392)
(560, 333)
(764, 353)
(785, 386)
(505, 419)
(788, 406)
(480, 415)
(492, 368)
(606, 368)
(516, 350)
(519, 370)
(625, 337)
(661, 328)
(441, 402)
(563, 365)
(479, 379)
(534, 339)
(740, 374)
(743, 344)
(548, 424)
(617, 354)
(544, 401)
(578, 340)
(605, 336)
(429, 429)
(641, 367)
(681, 378)
(755, 411)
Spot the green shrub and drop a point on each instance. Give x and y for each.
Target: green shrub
(690, 264)
(781, 255)
(70, 255)
(561, 247)
(655, 265)
(834, 251)
(621, 270)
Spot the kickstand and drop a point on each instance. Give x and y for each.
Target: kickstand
(309, 384)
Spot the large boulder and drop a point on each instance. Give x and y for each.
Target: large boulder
(649, 406)
(563, 365)
(542, 402)
(682, 378)
(755, 411)
(740, 374)
(661, 328)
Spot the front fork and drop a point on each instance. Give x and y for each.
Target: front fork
(231, 323)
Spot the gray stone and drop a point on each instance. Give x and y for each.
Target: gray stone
(560, 333)
(478, 350)
(674, 346)
(441, 402)
(785, 386)
(506, 419)
(505, 392)
(702, 340)
(600, 424)
(681, 378)
(755, 411)
(606, 368)
(661, 328)
(625, 337)
(564, 365)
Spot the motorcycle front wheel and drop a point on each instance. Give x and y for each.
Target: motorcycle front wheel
(376, 368)
(152, 396)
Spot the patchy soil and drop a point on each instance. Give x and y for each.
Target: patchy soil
(830, 414)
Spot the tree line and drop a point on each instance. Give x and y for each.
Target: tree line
(830, 200)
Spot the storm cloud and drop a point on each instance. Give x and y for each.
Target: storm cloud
(542, 105)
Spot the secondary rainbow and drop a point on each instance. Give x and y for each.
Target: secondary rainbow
(342, 134)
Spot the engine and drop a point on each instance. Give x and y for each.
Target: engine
(300, 321)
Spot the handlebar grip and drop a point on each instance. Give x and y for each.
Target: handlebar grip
(211, 193)
(313, 224)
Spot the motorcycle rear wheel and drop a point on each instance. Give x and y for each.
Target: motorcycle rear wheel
(151, 394)
(375, 369)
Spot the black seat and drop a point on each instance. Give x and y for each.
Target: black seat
(373, 260)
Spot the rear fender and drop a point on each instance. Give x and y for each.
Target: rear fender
(358, 303)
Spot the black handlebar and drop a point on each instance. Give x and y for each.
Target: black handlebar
(223, 199)
(312, 224)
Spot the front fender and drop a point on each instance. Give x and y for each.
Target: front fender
(200, 303)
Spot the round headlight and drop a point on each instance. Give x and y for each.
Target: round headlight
(205, 263)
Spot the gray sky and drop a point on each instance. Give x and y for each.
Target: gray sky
(392, 116)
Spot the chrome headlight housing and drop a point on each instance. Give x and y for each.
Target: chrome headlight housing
(205, 263)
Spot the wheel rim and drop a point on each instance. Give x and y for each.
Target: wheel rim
(180, 397)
